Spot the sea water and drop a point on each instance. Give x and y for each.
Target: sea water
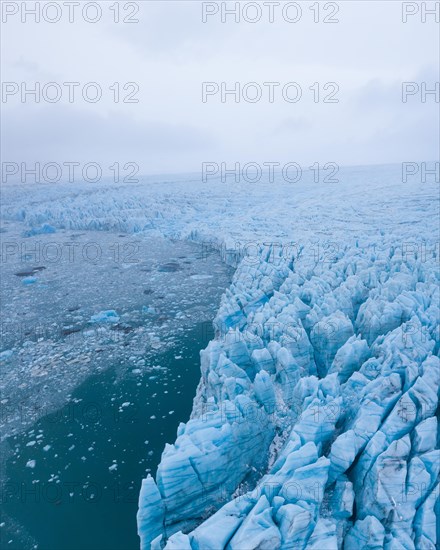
(103, 365)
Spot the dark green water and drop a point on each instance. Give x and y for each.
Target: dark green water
(72, 499)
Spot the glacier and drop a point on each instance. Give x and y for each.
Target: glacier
(314, 424)
(319, 437)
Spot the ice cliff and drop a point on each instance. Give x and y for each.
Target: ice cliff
(314, 424)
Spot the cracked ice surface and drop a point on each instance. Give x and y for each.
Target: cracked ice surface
(314, 424)
(356, 415)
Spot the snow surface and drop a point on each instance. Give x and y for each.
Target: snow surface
(314, 421)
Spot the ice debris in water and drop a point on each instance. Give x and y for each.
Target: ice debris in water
(6, 354)
(29, 280)
(108, 316)
(317, 430)
(42, 230)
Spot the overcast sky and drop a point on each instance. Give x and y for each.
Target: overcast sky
(171, 52)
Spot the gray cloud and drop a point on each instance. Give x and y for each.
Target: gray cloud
(171, 52)
(59, 133)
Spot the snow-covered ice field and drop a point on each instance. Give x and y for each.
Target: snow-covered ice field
(314, 424)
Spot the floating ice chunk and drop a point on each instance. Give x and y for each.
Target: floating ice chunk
(29, 280)
(108, 316)
(44, 229)
(31, 463)
(200, 277)
(5, 355)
